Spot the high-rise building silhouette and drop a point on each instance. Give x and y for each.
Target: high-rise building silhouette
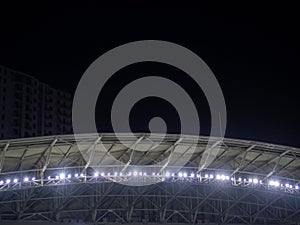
(31, 108)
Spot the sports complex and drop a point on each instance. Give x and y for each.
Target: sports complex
(48, 180)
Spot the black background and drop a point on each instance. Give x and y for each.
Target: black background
(253, 51)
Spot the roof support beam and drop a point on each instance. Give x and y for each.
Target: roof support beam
(91, 152)
(2, 156)
(208, 154)
(171, 154)
(243, 160)
(131, 155)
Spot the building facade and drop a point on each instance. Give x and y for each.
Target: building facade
(30, 108)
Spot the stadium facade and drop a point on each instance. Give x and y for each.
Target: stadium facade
(47, 180)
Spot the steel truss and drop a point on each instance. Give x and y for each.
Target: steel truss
(161, 203)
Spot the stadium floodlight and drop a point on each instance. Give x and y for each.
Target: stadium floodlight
(102, 174)
(180, 174)
(62, 176)
(116, 174)
(8, 181)
(250, 180)
(15, 180)
(135, 173)
(276, 183)
(184, 174)
(173, 174)
(287, 185)
(211, 176)
(206, 175)
(296, 187)
(240, 179)
(291, 186)
(97, 174)
(56, 177)
(144, 174)
(26, 179)
(255, 181)
(223, 177)
(192, 175)
(33, 179)
(167, 174)
(129, 174)
(1, 182)
(218, 177)
(227, 177)
(198, 175)
(140, 173)
(69, 176)
(121, 174)
(82, 175)
(76, 175)
(108, 174)
(49, 178)
(260, 181)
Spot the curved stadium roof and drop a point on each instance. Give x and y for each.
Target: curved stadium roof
(247, 182)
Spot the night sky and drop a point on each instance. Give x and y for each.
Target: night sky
(254, 54)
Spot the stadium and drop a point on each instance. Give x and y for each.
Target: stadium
(47, 180)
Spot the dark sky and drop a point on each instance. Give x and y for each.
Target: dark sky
(253, 51)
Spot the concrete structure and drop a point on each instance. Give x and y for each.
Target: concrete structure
(46, 180)
(31, 108)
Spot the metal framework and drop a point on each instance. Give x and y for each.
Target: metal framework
(48, 180)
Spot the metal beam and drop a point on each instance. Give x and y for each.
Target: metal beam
(2, 156)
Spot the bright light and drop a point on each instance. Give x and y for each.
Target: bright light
(8, 181)
(223, 177)
(287, 185)
(240, 179)
(26, 179)
(184, 174)
(102, 174)
(108, 174)
(173, 174)
(276, 183)
(49, 178)
(116, 174)
(140, 173)
(15, 180)
(135, 173)
(62, 176)
(96, 174)
(56, 177)
(218, 177)
(291, 186)
(33, 179)
(250, 180)
(69, 176)
(206, 175)
(129, 174)
(167, 174)
(145, 174)
(121, 174)
(192, 175)
(1, 182)
(180, 174)
(227, 178)
(81, 175)
(153, 174)
(76, 174)
(198, 175)
(211, 176)
(255, 181)
(297, 187)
